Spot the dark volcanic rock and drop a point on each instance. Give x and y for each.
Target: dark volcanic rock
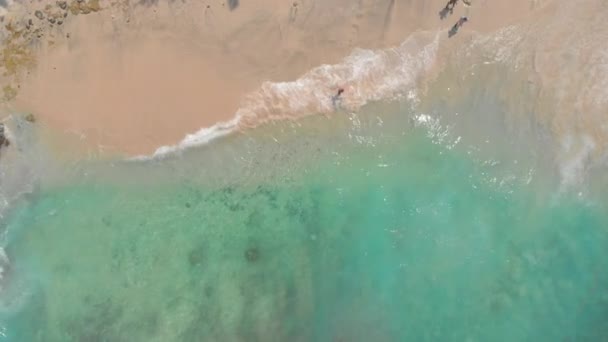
(3, 139)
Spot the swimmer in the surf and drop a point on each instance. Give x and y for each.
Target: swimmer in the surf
(457, 26)
(336, 99)
(448, 9)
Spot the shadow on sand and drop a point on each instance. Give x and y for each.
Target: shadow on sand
(457, 26)
(233, 4)
(445, 12)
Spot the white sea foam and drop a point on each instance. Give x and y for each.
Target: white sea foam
(23, 164)
(565, 64)
(499, 47)
(438, 133)
(575, 155)
(367, 75)
(4, 267)
(203, 136)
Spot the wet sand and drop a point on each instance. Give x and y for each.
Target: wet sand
(131, 78)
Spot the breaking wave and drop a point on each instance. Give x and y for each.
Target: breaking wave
(365, 75)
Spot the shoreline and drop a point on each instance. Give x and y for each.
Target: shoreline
(135, 79)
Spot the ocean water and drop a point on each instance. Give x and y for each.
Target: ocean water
(457, 193)
(383, 225)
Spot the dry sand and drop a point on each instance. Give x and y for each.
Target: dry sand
(129, 78)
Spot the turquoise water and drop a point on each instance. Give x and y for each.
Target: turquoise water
(356, 229)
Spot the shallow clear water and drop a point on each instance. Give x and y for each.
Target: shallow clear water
(364, 228)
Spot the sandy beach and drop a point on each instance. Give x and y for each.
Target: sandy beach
(129, 78)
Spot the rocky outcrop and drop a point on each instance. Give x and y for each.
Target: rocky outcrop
(3, 138)
(27, 27)
(30, 118)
